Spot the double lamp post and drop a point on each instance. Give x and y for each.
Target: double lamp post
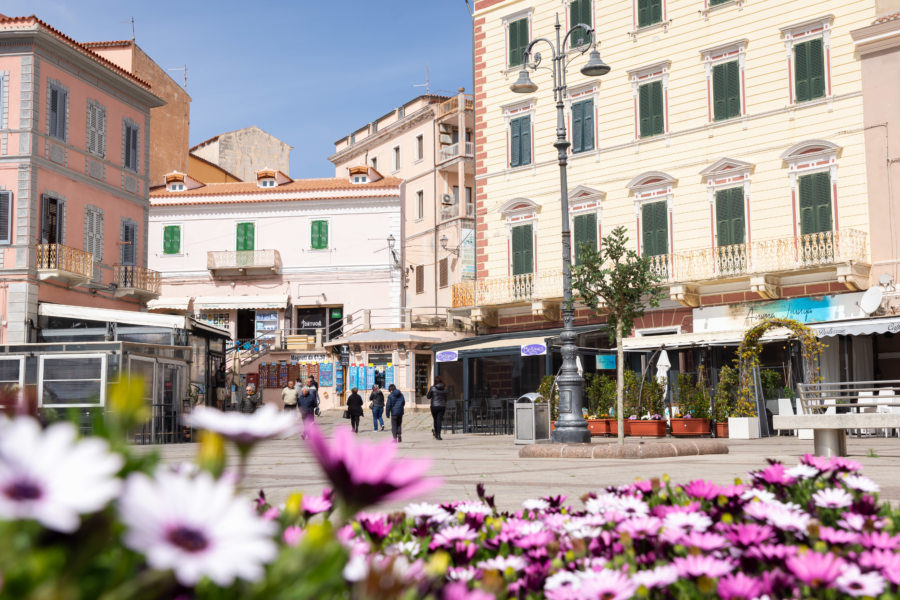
(570, 426)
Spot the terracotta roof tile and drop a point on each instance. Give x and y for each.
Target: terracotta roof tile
(11, 23)
(887, 18)
(221, 191)
(108, 44)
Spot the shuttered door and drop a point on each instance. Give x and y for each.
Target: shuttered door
(50, 221)
(129, 241)
(815, 203)
(245, 237)
(522, 250)
(730, 216)
(585, 227)
(655, 228)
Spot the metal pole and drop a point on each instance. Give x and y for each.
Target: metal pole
(571, 428)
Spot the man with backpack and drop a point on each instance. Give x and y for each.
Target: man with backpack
(394, 410)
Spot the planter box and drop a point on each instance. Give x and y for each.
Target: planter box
(598, 426)
(743, 428)
(690, 426)
(721, 429)
(645, 428)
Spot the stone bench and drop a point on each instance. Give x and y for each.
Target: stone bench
(830, 430)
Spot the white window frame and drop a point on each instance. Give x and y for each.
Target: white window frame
(21, 360)
(514, 111)
(646, 193)
(527, 13)
(180, 226)
(267, 182)
(708, 9)
(663, 23)
(395, 158)
(420, 204)
(177, 186)
(309, 223)
(576, 94)
(103, 381)
(255, 234)
(642, 76)
(804, 32)
(724, 174)
(584, 200)
(802, 162)
(420, 147)
(717, 55)
(520, 211)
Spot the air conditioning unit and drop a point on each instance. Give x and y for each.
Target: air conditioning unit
(446, 138)
(447, 200)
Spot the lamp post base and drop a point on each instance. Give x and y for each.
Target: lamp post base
(571, 432)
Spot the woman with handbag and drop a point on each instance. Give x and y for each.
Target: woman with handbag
(355, 409)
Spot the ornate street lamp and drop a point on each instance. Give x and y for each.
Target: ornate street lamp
(570, 426)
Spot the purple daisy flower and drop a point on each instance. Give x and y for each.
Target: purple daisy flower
(837, 536)
(774, 474)
(702, 489)
(817, 570)
(659, 577)
(771, 553)
(747, 534)
(855, 583)
(702, 566)
(739, 587)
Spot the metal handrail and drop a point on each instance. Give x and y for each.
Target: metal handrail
(65, 258)
(134, 276)
(818, 397)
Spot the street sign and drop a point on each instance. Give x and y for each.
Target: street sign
(345, 356)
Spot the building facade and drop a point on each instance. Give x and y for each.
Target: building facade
(74, 178)
(728, 139)
(245, 151)
(427, 143)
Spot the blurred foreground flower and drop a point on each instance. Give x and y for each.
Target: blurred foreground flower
(53, 477)
(366, 474)
(196, 527)
(244, 430)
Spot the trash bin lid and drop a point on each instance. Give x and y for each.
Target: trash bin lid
(530, 398)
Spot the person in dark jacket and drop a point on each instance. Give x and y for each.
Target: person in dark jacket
(394, 409)
(438, 396)
(355, 408)
(376, 399)
(307, 404)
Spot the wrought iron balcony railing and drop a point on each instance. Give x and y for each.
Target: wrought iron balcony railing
(55, 261)
(243, 260)
(137, 280)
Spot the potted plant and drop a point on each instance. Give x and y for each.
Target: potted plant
(600, 393)
(644, 406)
(549, 392)
(694, 403)
(725, 400)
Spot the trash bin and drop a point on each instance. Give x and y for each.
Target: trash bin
(532, 419)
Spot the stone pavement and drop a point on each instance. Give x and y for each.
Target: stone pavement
(463, 460)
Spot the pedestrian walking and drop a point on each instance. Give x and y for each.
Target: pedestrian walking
(376, 403)
(314, 392)
(251, 399)
(355, 408)
(306, 402)
(394, 409)
(221, 386)
(438, 396)
(289, 397)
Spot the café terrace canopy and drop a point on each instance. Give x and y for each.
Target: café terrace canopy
(238, 302)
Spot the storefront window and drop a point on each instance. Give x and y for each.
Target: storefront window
(216, 319)
(11, 372)
(73, 380)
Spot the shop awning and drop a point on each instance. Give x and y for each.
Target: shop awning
(502, 343)
(235, 302)
(169, 303)
(857, 326)
(703, 338)
(106, 315)
(382, 336)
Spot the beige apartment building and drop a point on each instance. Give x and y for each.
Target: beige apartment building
(728, 139)
(427, 143)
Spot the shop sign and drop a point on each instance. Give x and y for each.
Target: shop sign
(467, 253)
(606, 362)
(310, 319)
(534, 349)
(447, 356)
(345, 356)
(809, 309)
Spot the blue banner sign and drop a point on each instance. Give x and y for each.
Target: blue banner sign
(606, 362)
(447, 356)
(534, 349)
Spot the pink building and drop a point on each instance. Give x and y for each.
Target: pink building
(74, 189)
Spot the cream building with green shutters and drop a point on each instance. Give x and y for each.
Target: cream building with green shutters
(727, 138)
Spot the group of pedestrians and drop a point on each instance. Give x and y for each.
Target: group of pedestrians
(304, 400)
(391, 408)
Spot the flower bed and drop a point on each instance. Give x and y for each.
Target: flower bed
(146, 530)
(645, 427)
(690, 426)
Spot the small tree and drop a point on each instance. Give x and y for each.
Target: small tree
(618, 282)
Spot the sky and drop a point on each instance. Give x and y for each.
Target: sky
(307, 71)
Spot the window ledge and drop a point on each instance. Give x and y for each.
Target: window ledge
(664, 25)
(518, 168)
(813, 102)
(418, 160)
(705, 12)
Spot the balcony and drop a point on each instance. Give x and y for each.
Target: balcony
(512, 289)
(453, 151)
(838, 255)
(451, 106)
(56, 262)
(135, 281)
(243, 262)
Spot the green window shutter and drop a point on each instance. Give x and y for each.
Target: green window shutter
(577, 127)
(656, 11)
(657, 109)
(172, 239)
(730, 216)
(515, 141)
(319, 235)
(649, 12)
(650, 105)
(720, 104)
(245, 237)
(655, 228)
(522, 250)
(518, 41)
(579, 13)
(726, 91)
(585, 233)
(815, 203)
(816, 69)
(644, 110)
(801, 72)
(525, 138)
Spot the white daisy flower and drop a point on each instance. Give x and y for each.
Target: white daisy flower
(802, 471)
(502, 563)
(245, 430)
(424, 509)
(196, 527)
(356, 569)
(536, 504)
(461, 573)
(832, 498)
(761, 495)
(52, 477)
(474, 508)
(862, 484)
(562, 578)
(410, 548)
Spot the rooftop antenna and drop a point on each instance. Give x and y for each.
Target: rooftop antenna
(427, 84)
(131, 20)
(184, 68)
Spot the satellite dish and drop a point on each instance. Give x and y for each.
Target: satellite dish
(885, 279)
(871, 300)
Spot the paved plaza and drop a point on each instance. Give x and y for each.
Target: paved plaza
(464, 460)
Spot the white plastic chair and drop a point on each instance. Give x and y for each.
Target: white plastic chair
(886, 408)
(866, 396)
(786, 407)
